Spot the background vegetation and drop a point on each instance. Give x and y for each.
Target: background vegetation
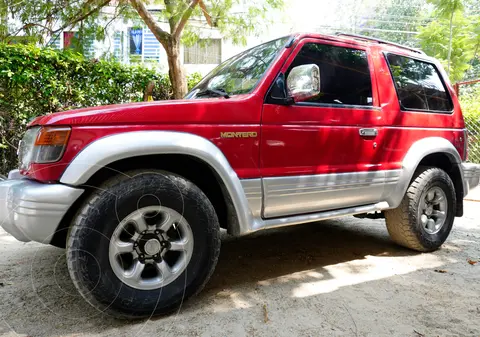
(470, 102)
(42, 20)
(36, 81)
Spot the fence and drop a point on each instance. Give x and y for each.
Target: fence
(469, 93)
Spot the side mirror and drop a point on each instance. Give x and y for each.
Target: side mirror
(303, 82)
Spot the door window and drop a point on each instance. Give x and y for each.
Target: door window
(344, 74)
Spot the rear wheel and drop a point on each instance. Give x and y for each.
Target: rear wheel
(425, 217)
(142, 243)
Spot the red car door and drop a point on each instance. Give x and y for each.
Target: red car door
(325, 153)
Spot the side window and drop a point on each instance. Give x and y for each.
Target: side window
(419, 85)
(344, 74)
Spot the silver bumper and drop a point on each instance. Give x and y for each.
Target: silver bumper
(32, 211)
(471, 176)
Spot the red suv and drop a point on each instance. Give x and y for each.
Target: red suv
(300, 129)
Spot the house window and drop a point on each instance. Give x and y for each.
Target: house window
(136, 40)
(207, 51)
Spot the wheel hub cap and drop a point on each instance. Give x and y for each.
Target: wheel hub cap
(433, 210)
(151, 247)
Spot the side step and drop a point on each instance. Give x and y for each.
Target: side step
(299, 219)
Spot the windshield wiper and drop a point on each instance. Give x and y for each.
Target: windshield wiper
(217, 92)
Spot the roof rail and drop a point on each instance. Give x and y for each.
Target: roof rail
(368, 38)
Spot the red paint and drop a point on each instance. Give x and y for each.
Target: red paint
(242, 153)
(241, 109)
(292, 140)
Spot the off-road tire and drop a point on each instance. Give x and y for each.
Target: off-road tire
(403, 222)
(96, 220)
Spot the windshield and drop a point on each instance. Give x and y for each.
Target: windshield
(241, 73)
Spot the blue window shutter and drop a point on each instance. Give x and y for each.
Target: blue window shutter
(89, 48)
(118, 45)
(55, 42)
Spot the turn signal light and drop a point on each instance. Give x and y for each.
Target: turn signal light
(53, 136)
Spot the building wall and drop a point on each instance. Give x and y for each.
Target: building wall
(121, 48)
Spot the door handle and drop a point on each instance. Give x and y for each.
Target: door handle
(368, 132)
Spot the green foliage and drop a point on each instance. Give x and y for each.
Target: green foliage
(35, 81)
(47, 19)
(446, 8)
(40, 18)
(473, 71)
(233, 24)
(193, 79)
(453, 36)
(470, 103)
(399, 20)
(434, 41)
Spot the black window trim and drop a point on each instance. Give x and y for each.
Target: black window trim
(404, 109)
(343, 106)
(330, 105)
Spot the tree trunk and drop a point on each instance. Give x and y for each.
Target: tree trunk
(171, 42)
(3, 20)
(450, 43)
(176, 70)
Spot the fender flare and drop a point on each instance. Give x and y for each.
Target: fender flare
(417, 152)
(109, 149)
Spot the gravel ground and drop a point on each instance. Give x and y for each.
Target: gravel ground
(335, 278)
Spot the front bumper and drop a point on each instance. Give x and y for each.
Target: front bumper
(471, 176)
(32, 211)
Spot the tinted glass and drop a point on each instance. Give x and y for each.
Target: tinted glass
(344, 74)
(419, 86)
(241, 73)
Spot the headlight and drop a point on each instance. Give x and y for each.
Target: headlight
(26, 147)
(42, 145)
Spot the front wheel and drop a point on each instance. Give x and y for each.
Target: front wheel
(143, 243)
(425, 216)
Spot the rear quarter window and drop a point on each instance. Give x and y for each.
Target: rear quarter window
(419, 85)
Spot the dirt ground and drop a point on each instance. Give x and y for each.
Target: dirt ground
(335, 278)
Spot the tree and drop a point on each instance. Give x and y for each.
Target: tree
(462, 31)
(446, 9)
(458, 53)
(46, 18)
(472, 9)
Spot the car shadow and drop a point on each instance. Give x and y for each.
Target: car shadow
(48, 293)
(277, 252)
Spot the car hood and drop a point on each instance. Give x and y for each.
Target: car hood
(210, 110)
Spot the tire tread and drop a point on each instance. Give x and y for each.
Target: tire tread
(74, 243)
(401, 220)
